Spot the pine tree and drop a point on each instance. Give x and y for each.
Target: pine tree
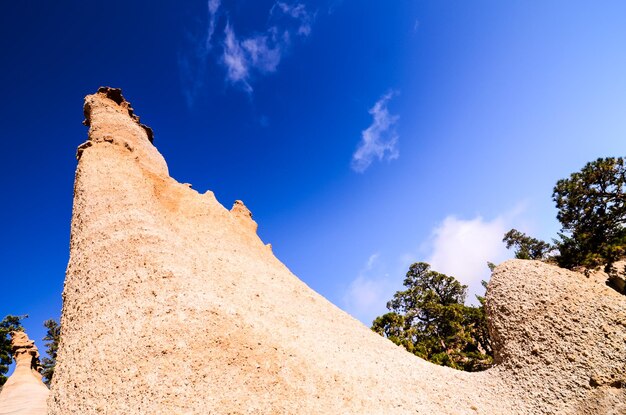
(430, 320)
(52, 346)
(7, 325)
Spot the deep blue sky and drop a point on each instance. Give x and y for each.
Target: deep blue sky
(482, 107)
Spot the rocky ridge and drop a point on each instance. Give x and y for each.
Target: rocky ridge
(173, 305)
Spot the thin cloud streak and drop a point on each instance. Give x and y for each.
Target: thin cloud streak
(243, 57)
(261, 53)
(235, 60)
(213, 6)
(297, 12)
(380, 139)
(193, 65)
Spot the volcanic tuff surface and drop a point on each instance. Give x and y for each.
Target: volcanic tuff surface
(24, 393)
(173, 305)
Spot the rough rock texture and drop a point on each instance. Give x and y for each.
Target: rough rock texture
(24, 393)
(560, 339)
(173, 305)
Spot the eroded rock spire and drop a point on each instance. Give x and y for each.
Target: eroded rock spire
(24, 393)
(115, 95)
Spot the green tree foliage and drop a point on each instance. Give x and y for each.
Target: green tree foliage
(526, 247)
(7, 325)
(591, 207)
(430, 320)
(51, 340)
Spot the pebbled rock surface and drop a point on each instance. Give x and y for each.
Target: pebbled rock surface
(24, 393)
(174, 305)
(560, 338)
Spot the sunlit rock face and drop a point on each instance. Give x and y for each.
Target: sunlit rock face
(24, 393)
(174, 305)
(560, 338)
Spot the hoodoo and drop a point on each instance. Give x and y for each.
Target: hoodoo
(24, 393)
(174, 305)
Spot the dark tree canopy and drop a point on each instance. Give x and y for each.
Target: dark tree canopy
(7, 325)
(430, 320)
(591, 207)
(53, 334)
(526, 247)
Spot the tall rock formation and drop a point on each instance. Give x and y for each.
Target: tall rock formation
(24, 393)
(173, 305)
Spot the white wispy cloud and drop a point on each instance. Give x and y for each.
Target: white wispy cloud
(261, 53)
(213, 6)
(242, 56)
(462, 248)
(367, 295)
(192, 65)
(235, 60)
(456, 247)
(298, 12)
(380, 139)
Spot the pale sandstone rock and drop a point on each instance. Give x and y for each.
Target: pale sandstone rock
(173, 305)
(24, 393)
(243, 214)
(560, 339)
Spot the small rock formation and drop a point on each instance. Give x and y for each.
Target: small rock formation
(24, 393)
(243, 214)
(617, 279)
(173, 305)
